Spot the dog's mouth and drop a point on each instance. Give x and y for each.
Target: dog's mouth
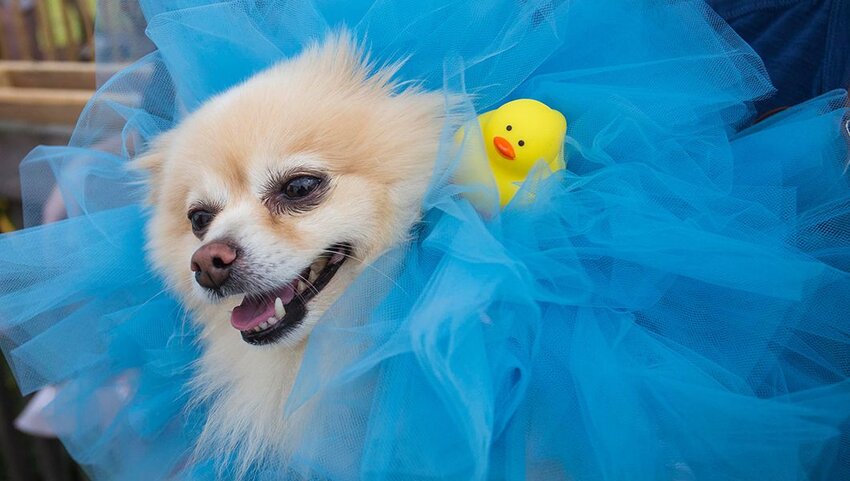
(267, 317)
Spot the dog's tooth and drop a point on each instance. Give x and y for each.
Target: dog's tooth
(320, 264)
(314, 274)
(272, 321)
(337, 258)
(279, 310)
(302, 286)
(256, 329)
(264, 325)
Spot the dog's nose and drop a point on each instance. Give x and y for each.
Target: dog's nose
(211, 264)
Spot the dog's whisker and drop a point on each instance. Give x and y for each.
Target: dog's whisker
(308, 283)
(367, 265)
(344, 254)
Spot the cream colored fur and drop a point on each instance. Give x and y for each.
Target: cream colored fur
(322, 109)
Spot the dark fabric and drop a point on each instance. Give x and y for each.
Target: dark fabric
(805, 44)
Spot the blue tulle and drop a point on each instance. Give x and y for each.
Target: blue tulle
(674, 306)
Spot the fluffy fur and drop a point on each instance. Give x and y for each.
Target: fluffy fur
(326, 110)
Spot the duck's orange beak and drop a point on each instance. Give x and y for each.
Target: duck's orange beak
(504, 147)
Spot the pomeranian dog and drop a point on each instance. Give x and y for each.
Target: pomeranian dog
(266, 204)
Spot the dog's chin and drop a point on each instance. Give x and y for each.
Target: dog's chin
(285, 314)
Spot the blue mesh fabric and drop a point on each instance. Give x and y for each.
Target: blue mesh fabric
(671, 307)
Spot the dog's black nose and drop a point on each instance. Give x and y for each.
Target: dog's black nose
(211, 264)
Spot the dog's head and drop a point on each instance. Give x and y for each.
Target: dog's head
(271, 197)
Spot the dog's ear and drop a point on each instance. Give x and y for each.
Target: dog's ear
(150, 165)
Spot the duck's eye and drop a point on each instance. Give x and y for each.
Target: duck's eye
(301, 186)
(521, 143)
(509, 128)
(201, 220)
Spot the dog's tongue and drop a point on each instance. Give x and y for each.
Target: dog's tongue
(253, 312)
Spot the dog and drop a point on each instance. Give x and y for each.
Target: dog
(266, 203)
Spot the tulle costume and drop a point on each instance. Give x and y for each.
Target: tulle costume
(674, 306)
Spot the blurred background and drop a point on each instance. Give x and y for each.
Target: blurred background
(46, 77)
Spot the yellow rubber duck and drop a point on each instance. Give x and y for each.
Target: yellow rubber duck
(517, 136)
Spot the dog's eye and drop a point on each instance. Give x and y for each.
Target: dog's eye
(300, 187)
(295, 193)
(200, 220)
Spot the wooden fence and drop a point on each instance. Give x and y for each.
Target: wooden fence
(44, 93)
